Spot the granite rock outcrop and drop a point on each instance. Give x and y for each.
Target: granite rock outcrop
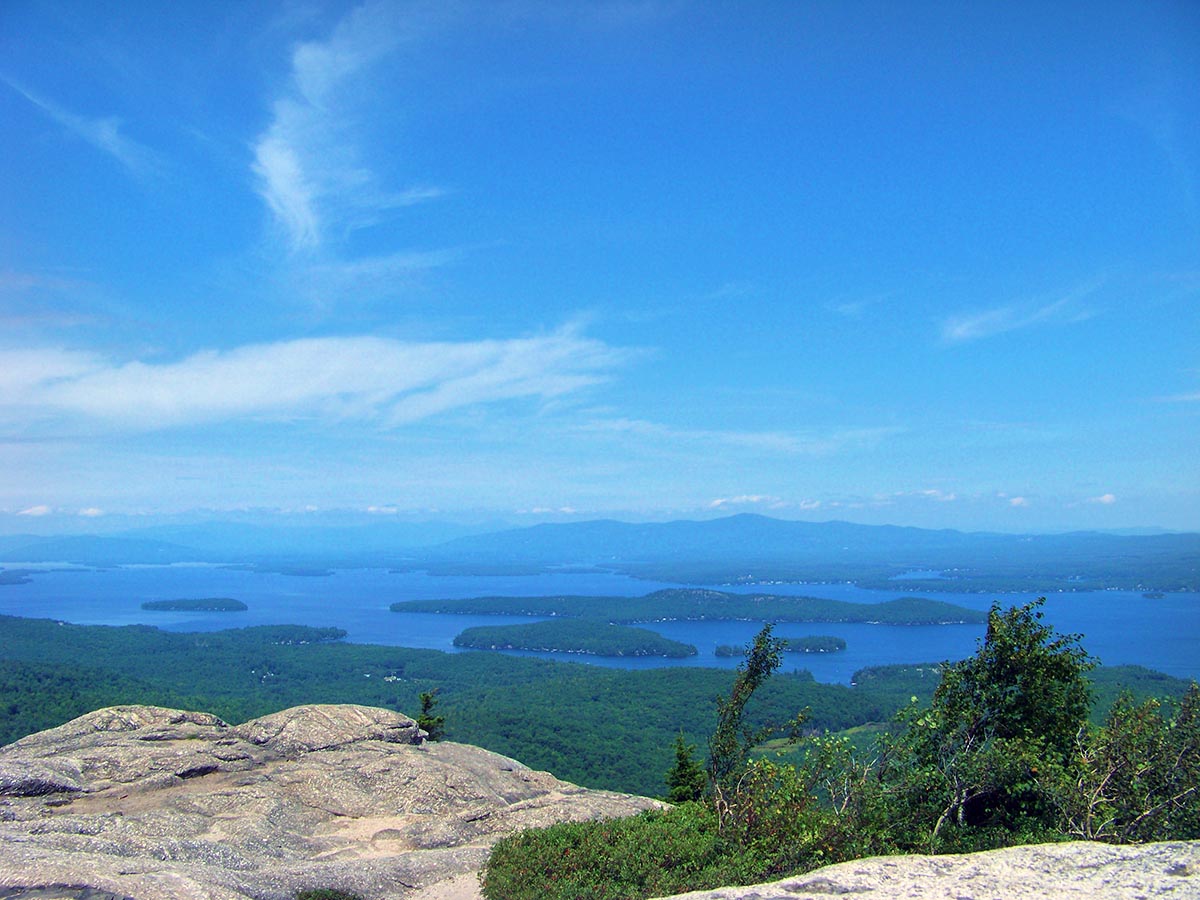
(1068, 871)
(148, 803)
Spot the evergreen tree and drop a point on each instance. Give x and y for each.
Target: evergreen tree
(434, 726)
(686, 779)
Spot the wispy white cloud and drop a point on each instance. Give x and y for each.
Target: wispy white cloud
(26, 371)
(104, 134)
(386, 381)
(1014, 317)
(1193, 397)
(1018, 502)
(934, 494)
(36, 511)
(748, 500)
(308, 161)
(1159, 107)
(13, 282)
(856, 308)
(289, 192)
(1104, 499)
(772, 441)
(366, 279)
(38, 300)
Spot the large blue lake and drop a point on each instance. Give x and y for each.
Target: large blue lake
(1119, 627)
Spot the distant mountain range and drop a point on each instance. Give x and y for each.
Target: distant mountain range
(238, 542)
(742, 548)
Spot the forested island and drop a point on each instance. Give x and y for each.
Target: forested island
(15, 576)
(591, 636)
(676, 604)
(201, 604)
(810, 643)
(813, 643)
(816, 643)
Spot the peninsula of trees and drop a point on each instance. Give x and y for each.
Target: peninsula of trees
(202, 604)
(697, 604)
(591, 636)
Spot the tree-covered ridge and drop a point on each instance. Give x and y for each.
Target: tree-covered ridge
(696, 604)
(591, 636)
(198, 604)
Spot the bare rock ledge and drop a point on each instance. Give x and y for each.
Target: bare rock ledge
(145, 803)
(1071, 871)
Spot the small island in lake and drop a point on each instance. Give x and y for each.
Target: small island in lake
(202, 604)
(816, 643)
(15, 576)
(596, 637)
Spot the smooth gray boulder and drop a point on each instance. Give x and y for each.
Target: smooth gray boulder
(157, 804)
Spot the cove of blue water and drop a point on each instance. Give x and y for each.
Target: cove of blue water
(1119, 627)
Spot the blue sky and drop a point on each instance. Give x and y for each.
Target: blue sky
(919, 263)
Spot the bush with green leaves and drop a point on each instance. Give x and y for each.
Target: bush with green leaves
(652, 854)
(966, 772)
(1137, 777)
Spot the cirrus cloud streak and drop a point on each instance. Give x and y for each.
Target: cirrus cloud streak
(384, 380)
(1068, 309)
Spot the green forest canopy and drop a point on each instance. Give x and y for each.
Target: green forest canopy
(572, 719)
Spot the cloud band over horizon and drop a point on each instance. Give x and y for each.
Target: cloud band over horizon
(387, 381)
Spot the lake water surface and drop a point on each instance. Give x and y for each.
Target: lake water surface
(1119, 627)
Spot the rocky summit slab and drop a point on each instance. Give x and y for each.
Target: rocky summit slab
(146, 803)
(1067, 871)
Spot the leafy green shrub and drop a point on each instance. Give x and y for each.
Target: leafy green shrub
(773, 818)
(1137, 778)
(967, 773)
(652, 854)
